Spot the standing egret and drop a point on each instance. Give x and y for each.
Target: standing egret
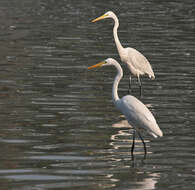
(136, 113)
(136, 62)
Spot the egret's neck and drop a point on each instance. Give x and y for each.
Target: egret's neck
(115, 33)
(117, 79)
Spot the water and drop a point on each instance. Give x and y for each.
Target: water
(59, 128)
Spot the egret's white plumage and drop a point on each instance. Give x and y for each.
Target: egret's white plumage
(137, 114)
(136, 62)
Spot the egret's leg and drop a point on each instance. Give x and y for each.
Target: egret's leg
(140, 86)
(129, 91)
(133, 145)
(145, 151)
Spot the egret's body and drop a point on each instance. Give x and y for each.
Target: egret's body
(137, 114)
(136, 62)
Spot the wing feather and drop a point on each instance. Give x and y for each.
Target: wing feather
(138, 115)
(139, 62)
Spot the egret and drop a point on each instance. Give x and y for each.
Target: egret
(135, 61)
(136, 113)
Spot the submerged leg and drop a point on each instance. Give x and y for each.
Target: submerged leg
(140, 86)
(129, 91)
(145, 151)
(133, 145)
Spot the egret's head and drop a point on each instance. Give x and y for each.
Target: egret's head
(106, 62)
(108, 14)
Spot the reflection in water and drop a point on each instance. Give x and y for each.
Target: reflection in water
(55, 117)
(122, 124)
(123, 138)
(148, 182)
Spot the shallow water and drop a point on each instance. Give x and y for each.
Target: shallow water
(59, 128)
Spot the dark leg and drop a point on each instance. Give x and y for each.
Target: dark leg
(145, 151)
(129, 91)
(140, 86)
(133, 145)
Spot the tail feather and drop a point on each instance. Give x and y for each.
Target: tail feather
(155, 131)
(152, 77)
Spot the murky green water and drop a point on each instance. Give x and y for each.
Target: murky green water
(59, 128)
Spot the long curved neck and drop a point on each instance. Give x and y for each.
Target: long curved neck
(117, 79)
(115, 33)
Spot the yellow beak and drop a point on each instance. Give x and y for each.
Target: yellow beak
(97, 65)
(99, 18)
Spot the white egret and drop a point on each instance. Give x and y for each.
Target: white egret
(136, 113)
(136, 62)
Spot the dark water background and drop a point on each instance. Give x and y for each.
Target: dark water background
(58, 126)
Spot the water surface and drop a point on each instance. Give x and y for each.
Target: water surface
(59, 128)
